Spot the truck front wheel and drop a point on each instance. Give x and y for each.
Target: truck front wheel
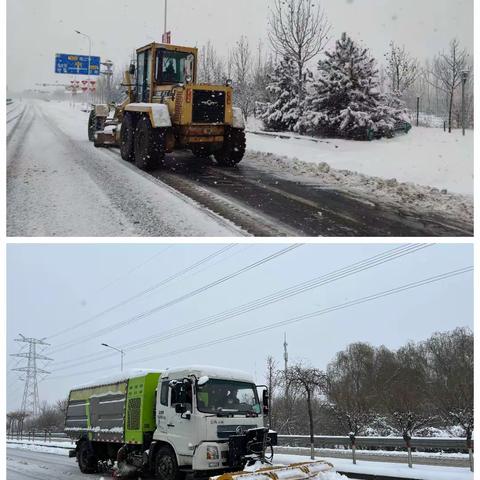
(166, 467)
(87, 460)
(149, 145)
(233, 149)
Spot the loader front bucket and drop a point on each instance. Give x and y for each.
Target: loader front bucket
(295, 471)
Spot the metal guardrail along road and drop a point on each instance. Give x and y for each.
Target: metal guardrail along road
(442, 443)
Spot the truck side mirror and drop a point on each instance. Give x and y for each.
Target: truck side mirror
(131, 70)
(266, 401)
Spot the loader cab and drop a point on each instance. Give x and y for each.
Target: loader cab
(163, 65)
(172, 67)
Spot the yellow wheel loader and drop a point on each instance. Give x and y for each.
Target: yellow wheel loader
(166, 110)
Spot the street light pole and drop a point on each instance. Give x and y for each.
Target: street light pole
(464, 81)
(122, 353)
(89, 52)
(165, 19)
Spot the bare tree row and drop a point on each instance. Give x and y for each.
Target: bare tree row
(51, 419)
(421, 388)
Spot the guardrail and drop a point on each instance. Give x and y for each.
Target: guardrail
(435, 443)
(45, 435)
(371, 443)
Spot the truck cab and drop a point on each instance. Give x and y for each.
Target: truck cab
(199, 409)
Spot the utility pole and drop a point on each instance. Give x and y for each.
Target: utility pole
(30, 400)
(287, 393)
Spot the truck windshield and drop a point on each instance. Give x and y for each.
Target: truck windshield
(173, 67)
(227, 396)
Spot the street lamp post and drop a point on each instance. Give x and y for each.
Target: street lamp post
(165, 19)
(122, 353)
(89, 52)
(464, 81)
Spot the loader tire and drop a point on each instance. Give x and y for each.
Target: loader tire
(92, 125)
(87, 460)
(149, 145)
(166, 466)
(233, 149)
(127, 133)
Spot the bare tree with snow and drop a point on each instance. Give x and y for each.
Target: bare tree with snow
(242, 71)
(402, 69)
(309, 382)
(298, 30)
(447, 70)
(210, 65)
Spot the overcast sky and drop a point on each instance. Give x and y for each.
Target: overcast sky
(51, 288)
(37, 29)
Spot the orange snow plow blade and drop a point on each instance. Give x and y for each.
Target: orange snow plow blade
(295, 471)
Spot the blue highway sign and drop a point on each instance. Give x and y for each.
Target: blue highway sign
(76, 64)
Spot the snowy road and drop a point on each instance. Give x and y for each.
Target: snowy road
(58, 184)
(26, 465)
(33, 465)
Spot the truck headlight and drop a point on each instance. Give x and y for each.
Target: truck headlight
(212, 453)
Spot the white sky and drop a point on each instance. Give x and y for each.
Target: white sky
(37, 29)
(54, 287)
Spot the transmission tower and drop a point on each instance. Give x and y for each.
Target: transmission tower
(30, 401)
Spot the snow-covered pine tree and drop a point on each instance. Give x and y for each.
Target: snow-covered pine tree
(345, 100)
(282, 112)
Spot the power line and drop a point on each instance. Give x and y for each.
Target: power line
(181, 298)
(133, 269)
(143, 292)
(299, 318)
(275, 297)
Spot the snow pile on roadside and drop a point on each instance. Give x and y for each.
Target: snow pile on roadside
(41, 447)
(393, 470)
(426, 156)
(418, 198)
